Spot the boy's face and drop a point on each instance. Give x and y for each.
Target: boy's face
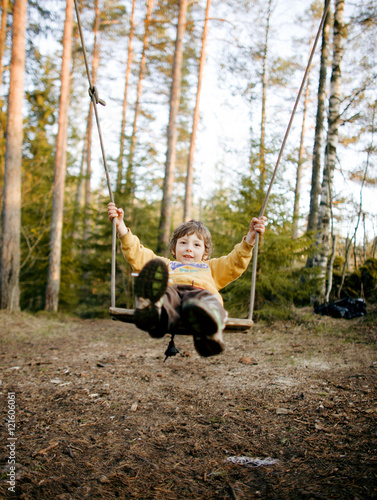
(189, 248)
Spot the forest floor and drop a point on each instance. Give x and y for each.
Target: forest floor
(98, 414)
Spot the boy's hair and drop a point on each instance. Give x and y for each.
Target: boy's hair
(188, 228)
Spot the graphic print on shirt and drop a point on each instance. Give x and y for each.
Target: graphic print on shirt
(178, 267)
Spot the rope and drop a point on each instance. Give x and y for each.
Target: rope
(255, 253)
(93, 93)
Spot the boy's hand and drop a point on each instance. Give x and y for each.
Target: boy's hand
(256, 225)
(118, 213)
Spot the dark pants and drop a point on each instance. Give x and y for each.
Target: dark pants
(175, 298)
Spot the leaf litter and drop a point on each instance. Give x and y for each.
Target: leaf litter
(100, 415)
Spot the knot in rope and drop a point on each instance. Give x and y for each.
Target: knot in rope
(93, 93)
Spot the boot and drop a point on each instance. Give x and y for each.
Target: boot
(206, 325)
(150, 287)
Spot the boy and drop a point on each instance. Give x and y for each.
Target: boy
(186, 290)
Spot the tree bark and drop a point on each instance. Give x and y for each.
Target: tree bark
(130, 181)
(330, 269)
(88, 173)
(345, 264)
(318, 136)
(167, 204)
(11, 216)
(296, 208)
(125, 100)
(3, 34)
(323, 232)
(80, 192)
(56, 231)
(262, 147)
(187, 212)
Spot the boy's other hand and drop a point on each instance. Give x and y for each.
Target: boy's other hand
(118, 214)
(256, 225)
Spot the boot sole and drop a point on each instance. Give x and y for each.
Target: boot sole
(151, 284)
(207, 340)
(152, 281)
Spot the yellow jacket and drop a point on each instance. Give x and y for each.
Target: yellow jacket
(211, 275)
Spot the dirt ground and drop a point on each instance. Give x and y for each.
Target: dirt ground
(98, 414)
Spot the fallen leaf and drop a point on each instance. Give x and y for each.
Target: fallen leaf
(56, 381)
(283, 411)
(246, 360)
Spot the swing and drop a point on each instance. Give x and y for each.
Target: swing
(232, 324)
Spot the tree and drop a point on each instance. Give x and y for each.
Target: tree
(41, 102)
(54, 264)
(3, 34)
(166, 206)
(11, 216)
(130, 181)
(125, 98)
(314, 11)
(95, 64)
(262, 146)
(190, 162)
(325, 209)
(300, 161)
(318, 137)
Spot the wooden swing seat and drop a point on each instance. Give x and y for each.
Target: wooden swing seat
(232, 324)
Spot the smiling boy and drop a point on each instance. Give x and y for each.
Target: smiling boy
(185, 291)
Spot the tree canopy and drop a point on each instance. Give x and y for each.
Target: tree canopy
(254, 60)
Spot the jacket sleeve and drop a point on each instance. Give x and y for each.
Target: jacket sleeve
(230, 267)
(135, 253)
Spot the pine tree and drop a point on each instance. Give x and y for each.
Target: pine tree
(54, 267)
(125, 99)
(11, 215)
(37, 179)
(3, 34)
(190, 163)
(166, 206)
(262, 146)
(129, 190)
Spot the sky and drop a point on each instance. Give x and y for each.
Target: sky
(226, 121)
(229, 124)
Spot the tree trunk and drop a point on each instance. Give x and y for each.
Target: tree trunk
(318, 136)
(130, 181)
(56, 232)
(167, 205)
(11, 217)
(80, 194)
(88, 173)
(345, 265)
(3, 34)
(190, 164)
(262, 147)
(364, 240)
(296, 208)
(330, 268)
(323, 233)
(125, 100)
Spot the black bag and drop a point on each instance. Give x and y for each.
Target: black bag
(345, 308)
